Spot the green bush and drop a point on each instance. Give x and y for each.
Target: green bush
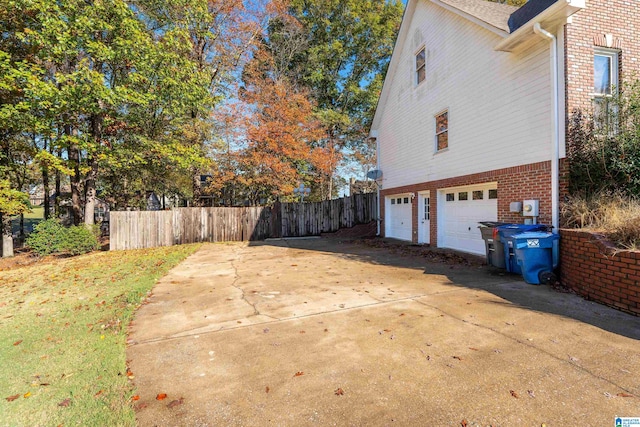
(603, 146)
(50, 237)
(79, 240)
(47, 237)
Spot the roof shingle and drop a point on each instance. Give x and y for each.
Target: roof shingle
(494, 14)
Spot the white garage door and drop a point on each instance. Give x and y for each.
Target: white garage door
(460, 210)
(398, 217)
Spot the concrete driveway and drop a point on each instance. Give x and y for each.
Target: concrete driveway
(321, 332)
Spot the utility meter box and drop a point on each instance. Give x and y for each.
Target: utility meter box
(530, 207)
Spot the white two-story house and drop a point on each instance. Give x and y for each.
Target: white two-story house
(472, 116)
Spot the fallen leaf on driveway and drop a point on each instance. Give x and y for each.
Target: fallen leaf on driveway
(514, 394)
(12, 398)
(339, 392)
(65, 403)
(175, 403)
(298, 374)
(625, 395)
(161, 396)
(17, 342)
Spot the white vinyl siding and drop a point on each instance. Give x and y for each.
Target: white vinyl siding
(502, 102)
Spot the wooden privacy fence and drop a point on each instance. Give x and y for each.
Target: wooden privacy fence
(148, 229)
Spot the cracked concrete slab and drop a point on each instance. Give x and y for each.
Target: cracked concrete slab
(322, 332)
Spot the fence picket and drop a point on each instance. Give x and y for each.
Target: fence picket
(145, 229)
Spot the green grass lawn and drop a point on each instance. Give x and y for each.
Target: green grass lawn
(63, 326)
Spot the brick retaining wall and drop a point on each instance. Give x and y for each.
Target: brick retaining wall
(591, 266)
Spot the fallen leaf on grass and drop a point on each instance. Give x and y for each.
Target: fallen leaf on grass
(98, 393)
(175, 403)
(514, 394)
(267, 389)
(625, 395)
(12, 398)
(473, 348)
(161, 396)
(17, 342)
(302, 332)
(402, 314)
(136, 397)
(294, 265)
(339, 392)
(65, 403)
(27, 395)
(463, 423)
(298, 374)
(457, 357)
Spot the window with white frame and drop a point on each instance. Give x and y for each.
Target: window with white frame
(605, 83)
(421, 66)
(442, 130)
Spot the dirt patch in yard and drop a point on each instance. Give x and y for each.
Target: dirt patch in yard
(437, 255)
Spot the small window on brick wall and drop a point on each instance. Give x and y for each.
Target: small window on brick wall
(605, 83)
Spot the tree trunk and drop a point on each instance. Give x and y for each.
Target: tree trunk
(74, 159)
(197, 188)
(90, 186)
(7, 236)
(45, 191)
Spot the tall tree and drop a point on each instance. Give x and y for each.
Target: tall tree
(281, 127)
(348, 47)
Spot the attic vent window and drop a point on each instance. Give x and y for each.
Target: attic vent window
(421, 72)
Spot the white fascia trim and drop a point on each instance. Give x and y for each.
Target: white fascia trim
(555, 14)
(472, 18)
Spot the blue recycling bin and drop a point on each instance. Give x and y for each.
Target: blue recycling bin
(534, 254)
(506, 233)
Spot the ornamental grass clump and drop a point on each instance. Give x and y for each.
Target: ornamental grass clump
(615, 215)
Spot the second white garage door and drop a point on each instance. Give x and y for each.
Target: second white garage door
(398, 217)
(459, 211)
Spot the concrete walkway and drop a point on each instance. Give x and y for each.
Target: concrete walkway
(319, 332)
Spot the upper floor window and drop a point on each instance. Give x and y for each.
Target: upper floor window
(421, 72)
(442, 130)
(605, 83)
(605, 72)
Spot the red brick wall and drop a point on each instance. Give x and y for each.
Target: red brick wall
(591, 267)
(532, 181)
(619, 18)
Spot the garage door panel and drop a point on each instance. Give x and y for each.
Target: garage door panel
(398, 217)
(460, 218)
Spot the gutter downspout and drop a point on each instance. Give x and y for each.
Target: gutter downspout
(555, 153)
(374, 134)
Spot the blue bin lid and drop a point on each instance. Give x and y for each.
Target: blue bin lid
(535, 239)
(523, 227)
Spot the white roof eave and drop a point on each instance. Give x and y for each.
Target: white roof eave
(549, 19)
